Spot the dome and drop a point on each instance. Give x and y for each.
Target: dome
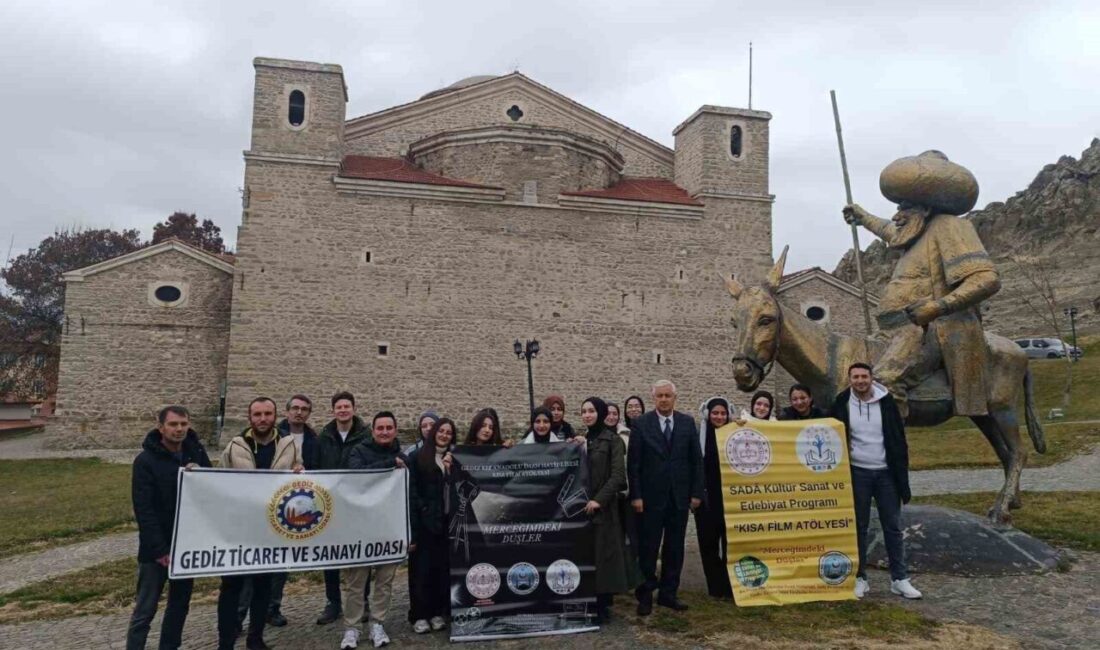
(461, 83)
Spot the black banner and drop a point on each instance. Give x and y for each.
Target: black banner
(522, 556)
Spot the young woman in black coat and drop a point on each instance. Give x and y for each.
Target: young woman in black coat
(710, 518)
(429, 568)
(802, 405)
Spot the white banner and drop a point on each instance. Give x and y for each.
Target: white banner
(235, 521)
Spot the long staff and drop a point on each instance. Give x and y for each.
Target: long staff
(855, 230)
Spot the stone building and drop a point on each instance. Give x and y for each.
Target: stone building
(399, 255)
(827, 300)
(143, 330)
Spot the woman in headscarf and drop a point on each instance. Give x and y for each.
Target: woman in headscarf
(540, 428)
(762, 407)
(710, 518)
(429, 566)
(561, 428)
(607, 477)
(802, 405)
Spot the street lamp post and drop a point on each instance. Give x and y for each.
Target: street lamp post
(530, 351)
(1071, 312)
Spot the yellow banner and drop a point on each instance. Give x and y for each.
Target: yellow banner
(790, 523)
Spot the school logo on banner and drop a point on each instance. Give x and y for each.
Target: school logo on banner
(483, 581)
(834, 568)
(819, 448)
(563, 577)
(748, 452)
(523, 578)
(300, 509)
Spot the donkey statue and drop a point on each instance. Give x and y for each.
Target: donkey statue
(767, 333)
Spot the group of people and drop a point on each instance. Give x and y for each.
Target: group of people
(647, 471)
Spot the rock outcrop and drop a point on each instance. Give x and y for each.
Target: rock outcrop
(1051, 229)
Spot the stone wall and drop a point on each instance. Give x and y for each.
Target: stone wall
(512, 158)
(322, 132)
(451, 285)
(492, 109)
(123, 358)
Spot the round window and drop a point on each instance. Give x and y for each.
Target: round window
(815, 313)
(168, 293)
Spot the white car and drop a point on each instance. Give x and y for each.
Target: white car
(1047, 348)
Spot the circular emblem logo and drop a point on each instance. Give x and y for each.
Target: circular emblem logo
(834, 568)
(819, 448)
(748, 452)
(751, 572)
(523, 578)
(299, 509)
(482, 581)
(563, 577)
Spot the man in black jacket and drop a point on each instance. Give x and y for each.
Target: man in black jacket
(380, 451)
(879, 458)
(665, 468)
(166, 449)
(334, 444)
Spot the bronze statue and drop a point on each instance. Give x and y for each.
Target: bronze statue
(929, 310)
(931, 351)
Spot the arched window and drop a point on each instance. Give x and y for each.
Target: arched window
(296, 111)
(735, 141)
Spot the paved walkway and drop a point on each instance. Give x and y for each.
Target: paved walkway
(1056, 611)
(1080, 473)
(33, 446)
(22, 570)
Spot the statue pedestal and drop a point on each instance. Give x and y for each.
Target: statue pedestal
(944, 540)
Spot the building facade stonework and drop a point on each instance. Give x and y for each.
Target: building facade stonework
(125, 352)
(399, 255)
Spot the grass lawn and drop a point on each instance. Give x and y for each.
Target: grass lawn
(936, 449)
(105, 589)
(709, 620)
(957, 443)
(47, 503)
(1070, 519)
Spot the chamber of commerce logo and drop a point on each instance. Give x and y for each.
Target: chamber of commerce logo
(748, 452)
(819, 448)
(482, 581)
(523, 578)
(299, 509)
(563, 577)
(751, 572)
(834, 568)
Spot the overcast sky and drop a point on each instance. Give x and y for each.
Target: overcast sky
(115, 114)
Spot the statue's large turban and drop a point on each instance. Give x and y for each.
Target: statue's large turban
(931, 180)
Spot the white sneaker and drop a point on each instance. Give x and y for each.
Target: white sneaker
(862, 587)
(351, 639)
(438, 623)
(421, 627)
(378, 635)
(904, 589)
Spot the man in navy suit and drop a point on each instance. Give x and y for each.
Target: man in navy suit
(665, 467)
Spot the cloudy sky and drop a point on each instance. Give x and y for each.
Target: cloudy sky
(115, 114)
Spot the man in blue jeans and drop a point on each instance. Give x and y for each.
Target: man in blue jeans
(166, 449)
(879, 457)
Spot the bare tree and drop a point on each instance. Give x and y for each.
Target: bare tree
(1043, 301)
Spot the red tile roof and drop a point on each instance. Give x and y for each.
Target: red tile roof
(398, 170)
(653, 190)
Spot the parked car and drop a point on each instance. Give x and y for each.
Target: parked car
(1046, 348)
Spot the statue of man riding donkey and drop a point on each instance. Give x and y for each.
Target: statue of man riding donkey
(930, 350)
